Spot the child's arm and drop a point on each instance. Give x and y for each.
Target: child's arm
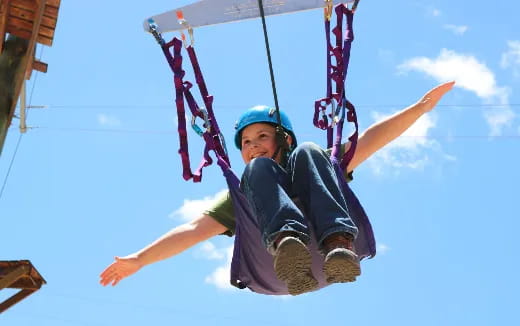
(173, 242)
(383, 132)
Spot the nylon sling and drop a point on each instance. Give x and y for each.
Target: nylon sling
(252, 265)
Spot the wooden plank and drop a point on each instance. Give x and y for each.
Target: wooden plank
(4, 14)
(21, 24)
(15, 299)
(31, 279)
(40, 66)
(54, 3)
(24, 4)
(50, 11)
(27, 35)
(28, 15)
(12, 275)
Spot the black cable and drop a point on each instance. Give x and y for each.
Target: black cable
(273, 84)
(10, 165)
(281, 135)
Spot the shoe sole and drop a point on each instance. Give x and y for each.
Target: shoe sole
(341, 266)
(292, 264)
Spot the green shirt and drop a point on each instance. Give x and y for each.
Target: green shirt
(222, 210)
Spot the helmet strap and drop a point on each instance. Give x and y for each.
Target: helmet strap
(282, 146)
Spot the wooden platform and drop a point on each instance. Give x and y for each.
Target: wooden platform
(23, 24)
(33, 20)
(18, 274)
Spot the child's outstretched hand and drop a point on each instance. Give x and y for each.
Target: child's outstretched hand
(122, 267)
(430, 99)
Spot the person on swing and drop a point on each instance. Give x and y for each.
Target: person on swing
(270, 188)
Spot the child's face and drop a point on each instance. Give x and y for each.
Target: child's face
(259, 140)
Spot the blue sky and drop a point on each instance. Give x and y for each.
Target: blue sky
(98, 175)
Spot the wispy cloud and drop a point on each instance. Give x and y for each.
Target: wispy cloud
(435, 12)
(208, 250)
(220, 276)
(193, 208)
(456, 29)
(108, 120)
(409, 151)
(471, 75)
(511, 58)
(382, 248)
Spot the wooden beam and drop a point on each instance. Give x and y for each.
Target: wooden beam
(19, 296)
(24, 29)
(51, 7)
(29, 22)
(4, 15)
(40, 66)
(28, 15)
(18, 274)
(13, 64)
(13, 274)
(23, 13)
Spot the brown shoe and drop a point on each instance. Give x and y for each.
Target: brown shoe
(292, 264)
(341, 262)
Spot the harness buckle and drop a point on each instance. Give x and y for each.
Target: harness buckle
(327, 10)
(186, 25)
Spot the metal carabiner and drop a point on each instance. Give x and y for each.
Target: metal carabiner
(154, 29)
(223, 142)
(328, 9)
(206, 124)
(186, 25)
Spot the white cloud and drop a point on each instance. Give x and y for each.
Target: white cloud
(407, 151)
(192, 209)
(108, 120)
(382, 248)
(511, 58)
(456, 29)
(436, 12)
(208, 250)
(220, 276)
(471, 75)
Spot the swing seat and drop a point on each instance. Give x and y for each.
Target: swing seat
(252, 264)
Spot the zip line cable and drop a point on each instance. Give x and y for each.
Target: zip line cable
(174, 132)
(239, 106)
(10, 165)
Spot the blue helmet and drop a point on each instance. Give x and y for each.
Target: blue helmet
(265, 114)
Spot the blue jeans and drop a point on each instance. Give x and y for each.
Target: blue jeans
(311, 178)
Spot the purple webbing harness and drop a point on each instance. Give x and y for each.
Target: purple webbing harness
(252, 264)
(212, 136)
(338, 74)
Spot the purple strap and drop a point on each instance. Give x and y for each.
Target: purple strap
(212, 135)
(338, 75)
